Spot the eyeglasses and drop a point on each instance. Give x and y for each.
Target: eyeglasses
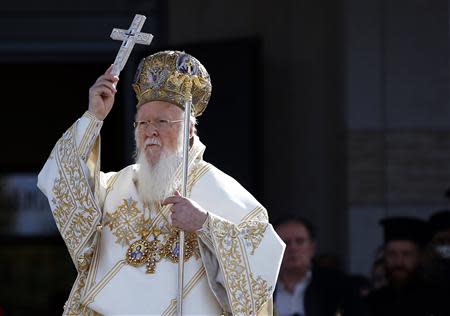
(158, 124)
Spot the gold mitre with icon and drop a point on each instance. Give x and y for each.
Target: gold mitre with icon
(172, 76)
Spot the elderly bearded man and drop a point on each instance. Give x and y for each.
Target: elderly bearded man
(121, 228)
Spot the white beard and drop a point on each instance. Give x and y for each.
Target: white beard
(157, 182)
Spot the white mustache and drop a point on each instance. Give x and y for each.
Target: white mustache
(152, 141)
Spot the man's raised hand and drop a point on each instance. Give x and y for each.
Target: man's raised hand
(101, 94)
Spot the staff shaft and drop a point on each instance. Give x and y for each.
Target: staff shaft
(187, 112)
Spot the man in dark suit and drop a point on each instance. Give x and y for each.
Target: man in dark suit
(303, 288)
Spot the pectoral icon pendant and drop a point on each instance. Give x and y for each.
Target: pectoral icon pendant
(162, 245)
(146, 252)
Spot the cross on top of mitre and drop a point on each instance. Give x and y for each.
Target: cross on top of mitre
(129, 38)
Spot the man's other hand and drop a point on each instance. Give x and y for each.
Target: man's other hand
(186, 214)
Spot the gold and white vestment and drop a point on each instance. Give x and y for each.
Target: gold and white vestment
(234, 259)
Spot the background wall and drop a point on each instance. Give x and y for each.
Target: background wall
(397, 105)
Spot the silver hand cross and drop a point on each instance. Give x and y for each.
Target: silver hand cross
(129, 37)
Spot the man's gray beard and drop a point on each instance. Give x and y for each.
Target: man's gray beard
(157, 182)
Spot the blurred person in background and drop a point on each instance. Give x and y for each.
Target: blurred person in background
(305, 288)
(406, 292)
(437, 259)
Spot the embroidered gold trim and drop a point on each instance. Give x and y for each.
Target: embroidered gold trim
(110, 183)
(171, 309)
(75, 209)
(75, 212)
(261, 291)
(257, 214)
(233, 243)
(94, 266)
(125, 221)
(252, 234)
(73, 305)
(89, 298)
(85, 141)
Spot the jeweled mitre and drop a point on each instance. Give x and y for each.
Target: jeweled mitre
(173, 76)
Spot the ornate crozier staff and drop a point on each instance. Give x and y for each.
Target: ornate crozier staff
(129, 38)
(187, 114)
